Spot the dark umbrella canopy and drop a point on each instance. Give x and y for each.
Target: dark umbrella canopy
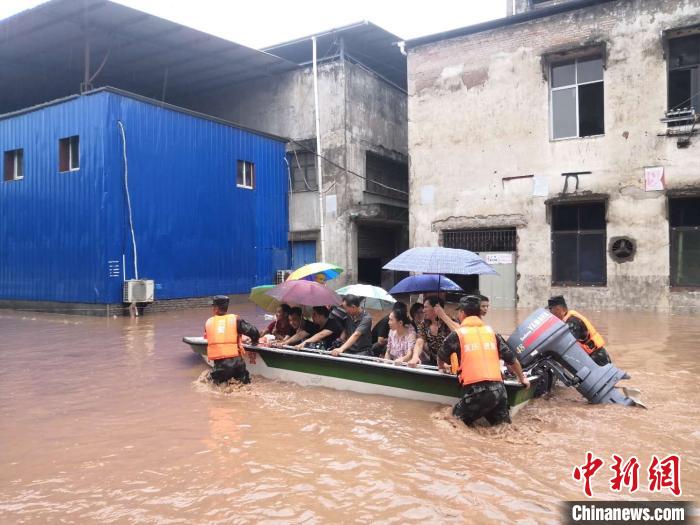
(440, 260)
(426, 283)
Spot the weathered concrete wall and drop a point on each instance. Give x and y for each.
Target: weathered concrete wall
(358, 112)
(479, 112)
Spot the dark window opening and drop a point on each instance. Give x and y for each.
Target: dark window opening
(577, 98)
(684, 73)
(578, 244)
(245, 174)
(14, 165)
(684, 222)
(302, 167)
(386, 177)
(69, 153)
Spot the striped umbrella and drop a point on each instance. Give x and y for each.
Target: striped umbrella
(258, 295)
(319, 272)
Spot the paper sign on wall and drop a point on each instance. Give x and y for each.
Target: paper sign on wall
(331, 205)
(499, 258)
(540, 187)
(654, 178)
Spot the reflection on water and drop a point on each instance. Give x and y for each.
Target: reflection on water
(109, 421)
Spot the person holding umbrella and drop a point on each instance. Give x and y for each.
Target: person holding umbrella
(477, 350)
(223, 332)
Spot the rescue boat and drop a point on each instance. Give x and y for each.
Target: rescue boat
(365, 375)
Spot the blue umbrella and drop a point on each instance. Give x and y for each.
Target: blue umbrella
(426, 283)
(440, 260)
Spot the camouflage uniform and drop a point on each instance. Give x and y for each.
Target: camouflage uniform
(487, 399)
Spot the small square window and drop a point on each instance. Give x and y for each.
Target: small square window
(14, 165)
(69, 154)
(245, 176)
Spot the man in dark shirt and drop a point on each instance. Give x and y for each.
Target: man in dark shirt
(358, 329)
(303, 327)
(482, 396)
(380, 336)
(329, 329)
(581, 328)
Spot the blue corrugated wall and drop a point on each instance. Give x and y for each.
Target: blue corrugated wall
(64, 236)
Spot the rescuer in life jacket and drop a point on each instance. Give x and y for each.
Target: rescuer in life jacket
(475, 350)
(581, 328)
(223, 333)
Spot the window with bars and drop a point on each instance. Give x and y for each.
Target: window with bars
(576, 98)
(69, 154)
(578, 244)
(684, 221)
(14, 165)
(481, 240)
(245, 175)
(302, 167)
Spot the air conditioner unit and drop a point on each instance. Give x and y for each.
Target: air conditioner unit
(282, 275)
(138, 291)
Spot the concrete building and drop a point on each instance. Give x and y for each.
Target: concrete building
(363, 141)
(562, 141)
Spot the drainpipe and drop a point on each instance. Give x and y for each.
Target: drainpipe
(319, 176)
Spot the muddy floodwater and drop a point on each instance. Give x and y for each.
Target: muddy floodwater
(109, 421)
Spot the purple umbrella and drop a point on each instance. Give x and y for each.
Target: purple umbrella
(306, 293)
(426, 283)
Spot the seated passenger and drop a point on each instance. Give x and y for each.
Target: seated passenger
(304, 328)
(417, 315)
(430, 335)
(484, 305)
(280, 327)
(358, 328)
(402, 337)
(329, 330)
(380, 332)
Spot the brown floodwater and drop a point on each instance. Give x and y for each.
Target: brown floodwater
(109, 421)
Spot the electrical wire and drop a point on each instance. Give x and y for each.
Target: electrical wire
(343, 168)
(128, 199)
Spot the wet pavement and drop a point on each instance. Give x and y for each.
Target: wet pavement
(110, 421)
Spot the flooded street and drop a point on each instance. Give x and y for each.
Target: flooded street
(107, 421)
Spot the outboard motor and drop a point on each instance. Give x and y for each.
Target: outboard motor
(544, 343)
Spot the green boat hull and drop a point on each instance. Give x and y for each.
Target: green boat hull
(359, 375)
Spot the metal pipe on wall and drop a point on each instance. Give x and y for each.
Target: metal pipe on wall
(319, 175)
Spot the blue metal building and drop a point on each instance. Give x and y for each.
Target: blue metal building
(65, 233)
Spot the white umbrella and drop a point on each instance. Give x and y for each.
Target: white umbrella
(375, 298)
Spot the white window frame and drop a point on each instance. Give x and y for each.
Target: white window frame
(575, 85)
(248, 174)
(16, 164)
(71, 160)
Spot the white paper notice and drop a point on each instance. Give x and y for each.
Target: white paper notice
(654, 178)
(331, 205)
(540, 187)
(427, 194)
(498, 258)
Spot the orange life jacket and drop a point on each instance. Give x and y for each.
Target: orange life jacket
(595, 341)
(222, 337)
(479, 352)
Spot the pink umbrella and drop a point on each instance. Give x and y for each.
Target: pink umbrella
(306, 293)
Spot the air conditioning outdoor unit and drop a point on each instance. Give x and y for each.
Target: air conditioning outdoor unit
(138, 291)
(282, 275)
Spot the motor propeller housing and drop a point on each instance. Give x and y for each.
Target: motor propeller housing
(544, 342)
